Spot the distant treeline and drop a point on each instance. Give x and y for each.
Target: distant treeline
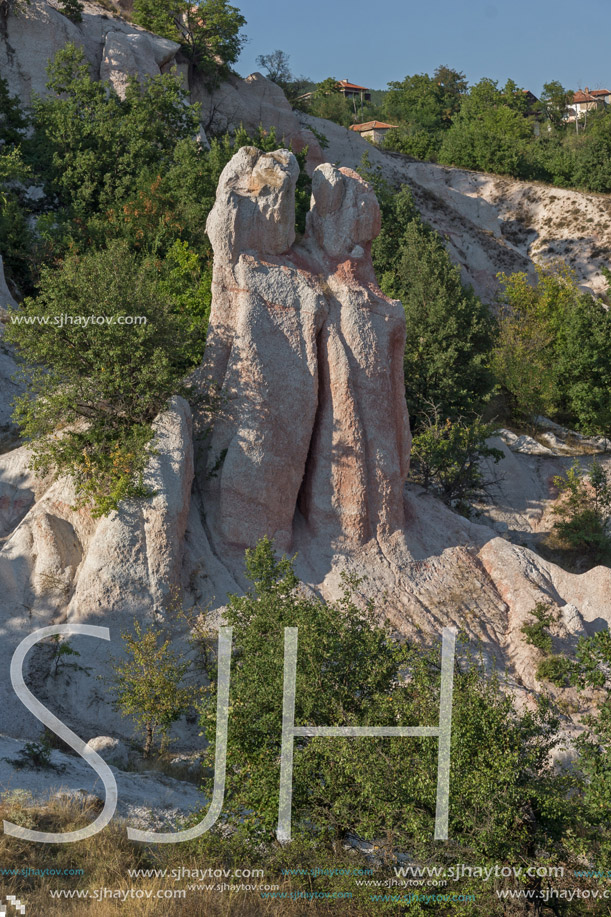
(440, 118)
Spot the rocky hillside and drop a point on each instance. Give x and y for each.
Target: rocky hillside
(312, 446)
(490, 223)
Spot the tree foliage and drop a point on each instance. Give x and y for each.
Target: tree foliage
(583, 512)
(110, 346)
(447, 456)
(148, 684)
(506, 802)
(449, 331)
(554, 350)
(209, 30)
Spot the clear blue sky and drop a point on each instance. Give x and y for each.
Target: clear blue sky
(374, 41)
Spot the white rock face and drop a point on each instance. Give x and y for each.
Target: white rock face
(114, 48)
(17, 489)
(255, 102)
(313, 443)
(58, 564)
(113, 751)
(146, 800)
(134, 54)
(489, 223)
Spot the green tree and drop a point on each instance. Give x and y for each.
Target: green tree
(328, 102)
(447, 456)
(491, 132)
(450, 333)
(209, 30)
(536, 633)
(592, 154)
(554, 350)
(13, 120)
(426, 104)
(99, 381)
(147, 684)
(93, 146)
(583, 513)
(16, 237)
(554, 101)
(277, 67)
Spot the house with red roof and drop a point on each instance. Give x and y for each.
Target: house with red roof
(354, 91)
(588, 100)
(373, 130)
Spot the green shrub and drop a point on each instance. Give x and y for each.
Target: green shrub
(555, 669)
(99, 384)
(351, 670)
(584, 512)
(450, 333)
(553, 354)
(537, 634)
(447, 456)
(147, 684)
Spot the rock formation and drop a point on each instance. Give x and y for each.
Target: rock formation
(253, 103)
(312, 444)
(58, 565)
(114, 48)
(304, 349)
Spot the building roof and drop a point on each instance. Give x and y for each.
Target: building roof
(344, 84)
(590, 95)
(371, 126)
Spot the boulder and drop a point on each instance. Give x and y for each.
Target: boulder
(60, 564)
(113, 751)
(114, 48)
(138, 54)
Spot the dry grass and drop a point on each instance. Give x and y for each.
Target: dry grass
(106, 859)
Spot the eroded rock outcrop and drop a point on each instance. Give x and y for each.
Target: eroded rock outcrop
(59, 565)
(304, 349)
(115, 49)
(252, 103)
(312, 444)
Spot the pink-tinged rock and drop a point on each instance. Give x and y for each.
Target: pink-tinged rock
(307, 354)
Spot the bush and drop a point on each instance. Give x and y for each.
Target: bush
(352, 671)
(99, 384)
(553, 355)
(450, 333)
(555, 669)
(447, 456)
(584, 512)
(537, 634)
(92, 146)
(148, 684)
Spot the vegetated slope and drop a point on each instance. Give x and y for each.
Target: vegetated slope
(492, 224)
